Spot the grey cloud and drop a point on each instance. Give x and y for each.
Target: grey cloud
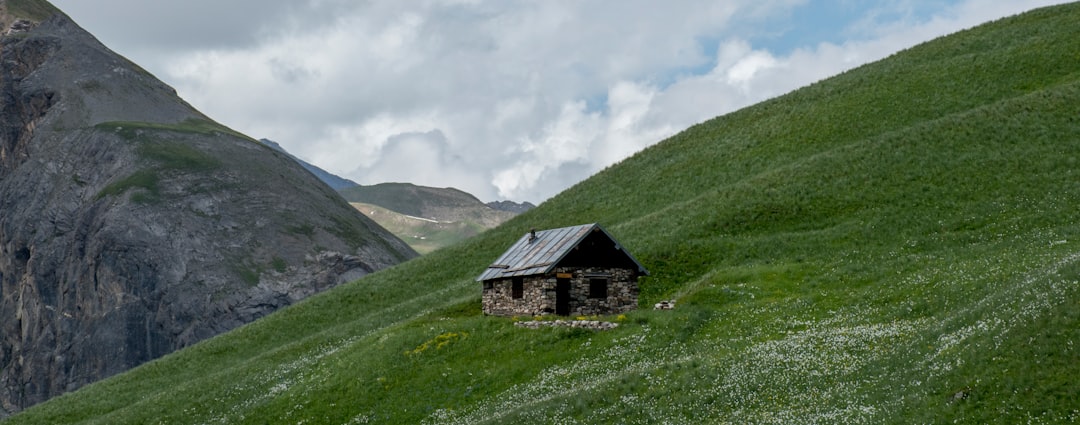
(190, 24)
(423, 158)
(291, 73)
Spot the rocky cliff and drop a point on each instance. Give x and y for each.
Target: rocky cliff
(131, 225)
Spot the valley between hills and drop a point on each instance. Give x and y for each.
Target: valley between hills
(426, 218)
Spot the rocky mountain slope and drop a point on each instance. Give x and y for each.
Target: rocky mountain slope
(132, 225)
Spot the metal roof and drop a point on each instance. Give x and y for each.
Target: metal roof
(538, 256)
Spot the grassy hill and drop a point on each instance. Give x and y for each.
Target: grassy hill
(897, 244)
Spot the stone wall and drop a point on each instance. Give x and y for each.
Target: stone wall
(539, 293)
(622, 291)
(498, 297)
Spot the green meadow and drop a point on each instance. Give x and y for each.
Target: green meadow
(896, 244)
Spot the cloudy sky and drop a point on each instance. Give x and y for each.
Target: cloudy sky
(504, 99)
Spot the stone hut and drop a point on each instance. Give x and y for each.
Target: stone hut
(579, 270)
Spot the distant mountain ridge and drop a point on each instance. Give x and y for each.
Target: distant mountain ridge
(412, 198)
(426, 218)
(407, 198)
(511, 206)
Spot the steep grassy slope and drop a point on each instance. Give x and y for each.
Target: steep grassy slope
(898, 244)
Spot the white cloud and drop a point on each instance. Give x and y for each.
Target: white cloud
(627, 132)
(566, 139)
(501, 99)
(349, 146)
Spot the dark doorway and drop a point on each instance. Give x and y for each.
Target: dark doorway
(562, 297)
(518, 290)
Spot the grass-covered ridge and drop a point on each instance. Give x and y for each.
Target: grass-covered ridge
(898, 244)
(161, 154)
(133, 130)
(33, 10)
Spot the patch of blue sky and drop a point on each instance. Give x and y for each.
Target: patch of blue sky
(839, 21)
(780, 33)
(596, 102)
(804, 26)
(810, 24)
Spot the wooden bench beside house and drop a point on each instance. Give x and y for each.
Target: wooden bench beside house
(578, 270)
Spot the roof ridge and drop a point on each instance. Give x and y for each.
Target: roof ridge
(538, 252)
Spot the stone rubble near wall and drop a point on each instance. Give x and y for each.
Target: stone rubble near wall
(664, 305)
(585, 324)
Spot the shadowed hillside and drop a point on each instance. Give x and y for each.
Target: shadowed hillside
(897, 244)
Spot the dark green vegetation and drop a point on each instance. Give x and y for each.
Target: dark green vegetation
(140, 131)
(34, 10)
(161, 155)
(898, 244)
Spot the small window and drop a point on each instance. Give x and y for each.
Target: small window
(488, 285)
(598, 288)
(518, 287)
